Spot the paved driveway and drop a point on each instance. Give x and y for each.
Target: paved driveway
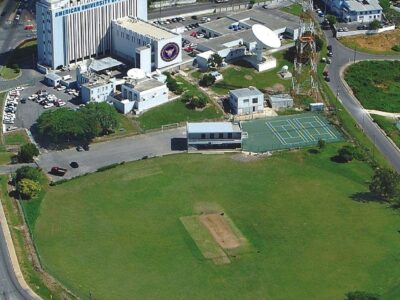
(116, 151)
(342, 57)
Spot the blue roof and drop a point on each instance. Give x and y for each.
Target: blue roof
(212, 127)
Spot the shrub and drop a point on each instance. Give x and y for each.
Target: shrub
(331, 19)
(360, 295)
(27, 153)
(28, 188)
(27, 172)
(321, 144)
(195, 101)
(374, 25)
(207, 80)
(396, 48)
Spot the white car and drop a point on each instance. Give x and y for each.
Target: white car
(6, 121)
(49, 105)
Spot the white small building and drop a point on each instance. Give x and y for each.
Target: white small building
(52, 79)
(97, 91)
(214, 135)
(246, 101)
(280, 101)
(319, 106)
(361, 11)
(141, 95)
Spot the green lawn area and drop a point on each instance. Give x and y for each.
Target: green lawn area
(16, 138)
(294, 9)
(118, 233)
(376, 84)
(24, 51)
(176, 111)
(126, 127)
(389, 126)
(240, 76)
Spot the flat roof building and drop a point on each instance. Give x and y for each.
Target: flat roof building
(246, 101)
(214, 135)
(145, 45)
(280, 101)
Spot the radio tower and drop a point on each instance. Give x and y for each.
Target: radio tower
(305, 62)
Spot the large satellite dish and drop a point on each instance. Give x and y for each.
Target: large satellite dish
(266, 36)
(136, 74)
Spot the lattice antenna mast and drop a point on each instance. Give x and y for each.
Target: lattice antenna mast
(304, 80)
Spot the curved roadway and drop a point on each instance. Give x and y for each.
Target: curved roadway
(343, 56)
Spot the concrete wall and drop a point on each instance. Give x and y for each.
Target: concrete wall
(366, 32)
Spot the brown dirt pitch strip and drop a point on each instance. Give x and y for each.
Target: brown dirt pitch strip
(382, 42)
(221, 230)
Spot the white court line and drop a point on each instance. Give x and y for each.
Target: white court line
(276, 133)
(326, 127)
(303, 134)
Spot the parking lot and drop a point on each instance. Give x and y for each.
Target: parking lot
(28, 111)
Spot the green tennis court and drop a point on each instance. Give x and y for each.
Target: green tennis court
(287, 132)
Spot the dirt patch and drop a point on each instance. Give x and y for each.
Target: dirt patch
(248, 77)
(278, 87)
(220, 230)
(378, 43)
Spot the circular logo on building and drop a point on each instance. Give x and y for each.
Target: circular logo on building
(170, 51)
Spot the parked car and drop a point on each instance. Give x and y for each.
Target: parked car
(362, 27)
(329, 47)
(58, 171)
(79, 148)
(330, 54)
(327, 79)
(74, 165)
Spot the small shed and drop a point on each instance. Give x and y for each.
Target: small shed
(319, 106)
(280, 101)
(202, 59)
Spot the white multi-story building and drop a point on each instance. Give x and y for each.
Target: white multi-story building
(145, 45)
(246, 101)
(141, 95)
(361, 11)
(69, 31)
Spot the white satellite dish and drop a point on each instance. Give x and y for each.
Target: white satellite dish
(265, 37)
(136, 74)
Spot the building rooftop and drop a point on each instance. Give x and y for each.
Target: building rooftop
(220, 26)
(144, 28)
(279, 98)
(53, 76)
(246, 92)
(362, 5)
(213, 127)
(105, 63)
(144, 85)
(218, 43)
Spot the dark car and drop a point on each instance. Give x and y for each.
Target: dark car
(329, 47)
(86, 147)
(362, 27)
(325, 73)
(74, 165)
(23, 100)
(327, 79)
(58, 171)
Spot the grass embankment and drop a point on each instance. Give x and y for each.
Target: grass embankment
(16, 138)
(126, 127)
(25, 51)
(313, 238)
(294, 9)
(16, 223)
(347, 122)
(375, 44)
(177, 111)
(376, 84)
(389, 126)
(243, 75)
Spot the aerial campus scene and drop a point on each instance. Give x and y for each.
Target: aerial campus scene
(188, 149)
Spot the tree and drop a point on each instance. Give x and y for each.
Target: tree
(319, 43)
(331, 19)
(195, 100)
(27, 152)
(27, 172)
(207, 80)
(385, 184)
(65, 125)
(345, 154)
(360, 295)
(215, 61)
(105, 116)
(28, 188)
(375, 24)
(321, 144)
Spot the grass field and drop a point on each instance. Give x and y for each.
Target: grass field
(376, 84)
(242, 75)
(376, 44)
(389, 126)
(24, 51)
(176, 111)
(118, 233)
(16, 138)
(294, 9)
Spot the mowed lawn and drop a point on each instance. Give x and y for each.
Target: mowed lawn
(376, 84)
(118, 235)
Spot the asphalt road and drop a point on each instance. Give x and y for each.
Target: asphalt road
(115, 151)
(342, 57)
